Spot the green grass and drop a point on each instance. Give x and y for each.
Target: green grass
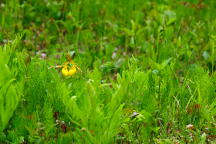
(148, 71)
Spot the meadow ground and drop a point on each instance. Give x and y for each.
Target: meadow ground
(108, 71)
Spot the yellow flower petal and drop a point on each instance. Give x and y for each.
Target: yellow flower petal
(66, 71)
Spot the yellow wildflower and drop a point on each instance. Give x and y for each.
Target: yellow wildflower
(69, 69)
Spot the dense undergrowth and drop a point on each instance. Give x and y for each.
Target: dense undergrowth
(147, 71)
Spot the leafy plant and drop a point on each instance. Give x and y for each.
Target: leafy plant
(11, 84)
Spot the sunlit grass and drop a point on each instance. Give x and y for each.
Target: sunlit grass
(117, 71)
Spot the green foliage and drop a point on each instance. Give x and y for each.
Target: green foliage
(11, 85)
(147, 71)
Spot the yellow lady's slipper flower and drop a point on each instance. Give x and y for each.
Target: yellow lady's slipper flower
(68, 69)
